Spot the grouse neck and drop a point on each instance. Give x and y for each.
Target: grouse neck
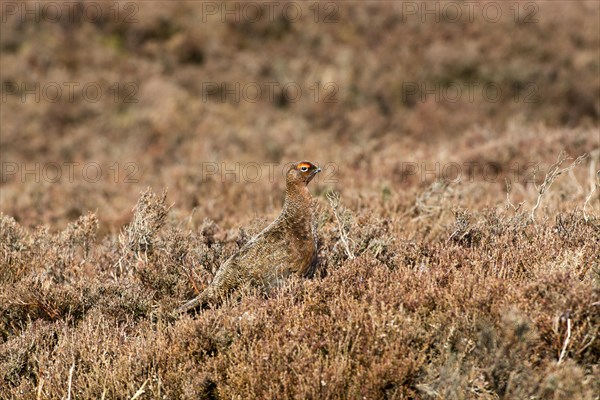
(297, 202)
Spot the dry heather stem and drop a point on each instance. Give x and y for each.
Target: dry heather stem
(334, 201)
(70, 381)
(140, 391)
(510, 203)
(595, 184)
(566, 343)
(554, 172)
(587, 201)
(39, 389)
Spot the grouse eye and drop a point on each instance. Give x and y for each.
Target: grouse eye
(304, 168)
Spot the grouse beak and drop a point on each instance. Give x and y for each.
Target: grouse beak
(312, 175)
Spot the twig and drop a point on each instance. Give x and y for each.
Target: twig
(39, 389)
(70, 380)
(580, 188)
(508, 190)
(587, 200)
(334, 201)
(140, 391)
(566, 343)
(588, 344)
(554, 172)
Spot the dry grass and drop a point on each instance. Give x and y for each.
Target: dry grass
(489, 305)
(487, 286)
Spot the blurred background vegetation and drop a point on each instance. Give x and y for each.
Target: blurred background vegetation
(147, 90)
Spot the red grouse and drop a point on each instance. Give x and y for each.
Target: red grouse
(287, 246)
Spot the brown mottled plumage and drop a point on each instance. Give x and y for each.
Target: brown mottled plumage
(287, 246)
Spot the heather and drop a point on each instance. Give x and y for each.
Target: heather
(458, 238)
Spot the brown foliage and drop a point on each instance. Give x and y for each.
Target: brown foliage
(426, 287)
(481, 308)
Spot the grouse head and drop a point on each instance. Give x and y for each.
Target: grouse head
(301, 173)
